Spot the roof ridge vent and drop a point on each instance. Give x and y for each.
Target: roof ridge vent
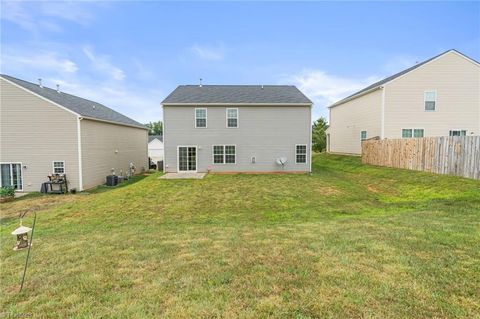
(40, 83)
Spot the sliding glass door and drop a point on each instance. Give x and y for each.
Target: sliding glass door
(11, 175)
(187, 158)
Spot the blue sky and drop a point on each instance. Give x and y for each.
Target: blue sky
(130, 55)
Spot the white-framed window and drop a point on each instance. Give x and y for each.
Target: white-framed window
(230, 154)
(224, 154)
(413, 132)
(457, 133)
(58, 167)
(363, 135)
(200, 118)
(300, 154)
(11, 175)
(232, 117)
(430, 100)
(218, 154)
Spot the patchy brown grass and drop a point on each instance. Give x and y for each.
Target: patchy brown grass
(254, 246)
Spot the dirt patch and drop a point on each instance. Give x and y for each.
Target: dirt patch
(328, 191)
(34, 204)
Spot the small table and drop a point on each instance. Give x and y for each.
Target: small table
(48, 187)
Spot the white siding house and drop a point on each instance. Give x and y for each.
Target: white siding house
(438, 97)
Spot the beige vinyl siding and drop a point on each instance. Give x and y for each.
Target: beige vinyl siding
(100, 140)
(264, 132)
(457, 83)
(347, 120)
(36, 132)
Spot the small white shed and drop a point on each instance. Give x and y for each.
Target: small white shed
(155, 147)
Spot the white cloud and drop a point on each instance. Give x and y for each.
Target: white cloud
(72, 11)
(37, 17)
(400, 63)
(39, 61)
(103, 64)
(212, 53)
(325, 89)
(141, 105)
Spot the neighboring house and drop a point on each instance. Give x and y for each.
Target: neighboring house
(438, 97)
(155, 148)
(237, 128)
(45, 131)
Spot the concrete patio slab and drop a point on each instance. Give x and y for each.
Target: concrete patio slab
(183, 176)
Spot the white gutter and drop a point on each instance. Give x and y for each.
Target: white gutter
(113, 122)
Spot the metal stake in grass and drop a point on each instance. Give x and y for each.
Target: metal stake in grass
(23, 242)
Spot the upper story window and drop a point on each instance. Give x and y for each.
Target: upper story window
(430, 100)
(457, 133)
(200, 117)
(363, 135)
(58, 167)
(232, 117)
(300, 154)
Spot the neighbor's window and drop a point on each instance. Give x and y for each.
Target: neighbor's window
(430, 100)
(458, 133)
(418, 132)
(218, 154)
(406, 133)
(224, 154)
(409, 132)
(232, 117)
(59, 167)
(300, 154)
(363, 135)
(11, 175)
(200, 117)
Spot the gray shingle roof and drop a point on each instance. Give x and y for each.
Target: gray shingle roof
(237, 94)
(79, 105)
(390, 78)
(152, 137)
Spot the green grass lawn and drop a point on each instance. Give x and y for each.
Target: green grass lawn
(347, 241)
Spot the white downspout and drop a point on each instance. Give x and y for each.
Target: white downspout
(79, 152)
(310, 149)
(382, 120)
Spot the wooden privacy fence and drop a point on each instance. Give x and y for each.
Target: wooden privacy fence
(454, 155)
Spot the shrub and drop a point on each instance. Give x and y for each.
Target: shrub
(7, 191)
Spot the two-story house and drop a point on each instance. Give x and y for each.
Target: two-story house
(237, 128)
(437, 97)
(46, 131)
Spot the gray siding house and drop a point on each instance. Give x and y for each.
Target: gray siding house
(45, 131)
(237, 128)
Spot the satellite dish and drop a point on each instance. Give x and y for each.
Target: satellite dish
(282, 161)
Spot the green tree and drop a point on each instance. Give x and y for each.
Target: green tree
(319, 135)
(155, 128)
